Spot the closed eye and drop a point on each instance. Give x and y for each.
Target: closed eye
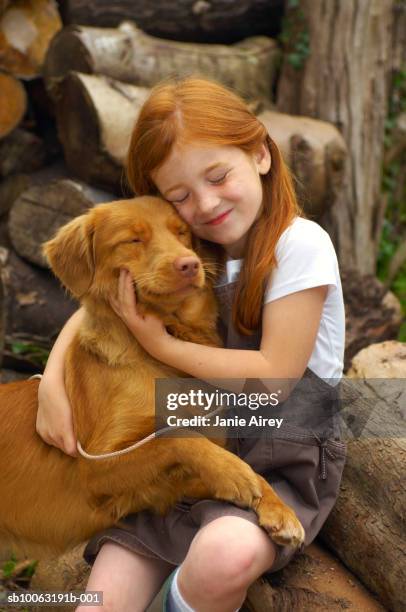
(179, 201)
(218, 180)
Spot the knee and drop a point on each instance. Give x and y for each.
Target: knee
(227, 558)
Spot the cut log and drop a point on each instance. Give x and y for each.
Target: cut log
(35, 307)
(187, 20)
(128, 54)
(40, 210)
(26, 28)
(366, 526)
(21, 151)
(10, 189)
(13, 103)
(106, 110)
(369, 319)
(316, 152)
(381, 360)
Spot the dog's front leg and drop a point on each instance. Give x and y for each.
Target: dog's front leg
(228, 477)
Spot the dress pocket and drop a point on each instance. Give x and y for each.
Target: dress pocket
(329, 449)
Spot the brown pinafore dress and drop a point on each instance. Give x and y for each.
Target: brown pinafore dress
(304, 466)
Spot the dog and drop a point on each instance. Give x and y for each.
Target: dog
(56, 501)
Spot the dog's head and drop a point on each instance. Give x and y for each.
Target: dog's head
(144, 235)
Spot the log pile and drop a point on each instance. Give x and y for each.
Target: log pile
(373, 314)
(26, 29)
(366, 526)
(13, 103)
(185, 20)
(128, 54)
(97, 78)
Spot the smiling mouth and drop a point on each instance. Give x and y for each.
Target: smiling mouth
(219, 219)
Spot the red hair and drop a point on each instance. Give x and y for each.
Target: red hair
(195, 109)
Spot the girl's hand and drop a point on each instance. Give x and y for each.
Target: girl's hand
(147, 329)
(54, 416)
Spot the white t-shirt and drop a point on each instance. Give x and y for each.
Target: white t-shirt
(306, 258)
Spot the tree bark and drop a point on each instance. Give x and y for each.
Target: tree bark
(26, 29)
(44, 207)
(13, 103)
(344, 80)
(130, 55)
(366, 528)
(221, 21)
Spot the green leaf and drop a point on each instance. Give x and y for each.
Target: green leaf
(8, 568)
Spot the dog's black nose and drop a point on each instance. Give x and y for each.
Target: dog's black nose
(187, 266)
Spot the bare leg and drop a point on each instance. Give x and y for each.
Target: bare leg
(225, 557)
(129, 581)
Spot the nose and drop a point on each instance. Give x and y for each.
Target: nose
(207, 202)
(187, 266)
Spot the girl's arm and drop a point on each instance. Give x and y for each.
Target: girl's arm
(54, 416)
(289, 329)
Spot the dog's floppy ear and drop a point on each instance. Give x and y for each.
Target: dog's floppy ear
(70, 254)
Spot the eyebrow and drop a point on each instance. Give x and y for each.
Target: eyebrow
(165, 193)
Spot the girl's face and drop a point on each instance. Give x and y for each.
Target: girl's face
(217, 190)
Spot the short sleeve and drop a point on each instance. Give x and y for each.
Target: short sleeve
(306, 258)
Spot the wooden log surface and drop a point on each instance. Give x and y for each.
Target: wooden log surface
(13, 186)
(52, 200)
(128, 54)
(221, 21)
(13, 103)
(314, 581)
(366, 527)
(363, 530)
(342, 77)
(315, 152)
(104, 110)
(26, 28)
(35, 307)
(107, 109)
(21, 151)
(369, 316)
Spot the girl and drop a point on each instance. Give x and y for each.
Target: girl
(197, 145)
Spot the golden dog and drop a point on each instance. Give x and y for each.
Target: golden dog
(57, 501)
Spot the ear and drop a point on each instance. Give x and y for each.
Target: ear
(71, 254)
(263, 159)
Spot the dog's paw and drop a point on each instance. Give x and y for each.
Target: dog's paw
(239, 485)
(281, 523)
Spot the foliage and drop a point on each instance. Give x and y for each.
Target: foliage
(36, 354)
(295, 37)
(394, 190)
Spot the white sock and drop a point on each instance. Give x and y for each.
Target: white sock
(175, 601)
